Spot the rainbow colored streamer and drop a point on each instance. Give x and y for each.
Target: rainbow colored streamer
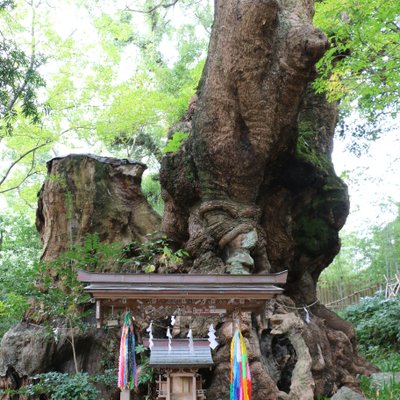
(127, 373)
(240, 388)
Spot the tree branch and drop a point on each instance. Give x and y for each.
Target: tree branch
(21, 197)
(14, 163)
(19, 184)
(30, 173)
(154, 8)
(76, 128)
(32, 60)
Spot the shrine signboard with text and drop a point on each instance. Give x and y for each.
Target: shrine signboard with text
(158, 308)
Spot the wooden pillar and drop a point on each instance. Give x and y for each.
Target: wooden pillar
(125, 395)
(168, 387)
(194, 386)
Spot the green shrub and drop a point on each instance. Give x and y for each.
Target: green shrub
(145, 371)
(390, 391)
(386, 359)
(377, 322)
(61, 386)
(175, 142)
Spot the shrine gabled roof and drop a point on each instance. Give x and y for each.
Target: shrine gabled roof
(99, 277)
(181, 354)
(163, 286)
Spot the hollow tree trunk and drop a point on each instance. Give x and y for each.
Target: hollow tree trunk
(253, 190)
(86, 194)
(83, 194)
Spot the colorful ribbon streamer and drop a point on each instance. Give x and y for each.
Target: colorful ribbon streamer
(127, 374)
(240, 388)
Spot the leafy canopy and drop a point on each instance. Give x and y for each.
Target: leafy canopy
(116, 84)
(362, 67)
(19, 255)
(19, 73)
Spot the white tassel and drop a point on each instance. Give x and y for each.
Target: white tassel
(56, 334)
(190, 336)
(307, 317)
(212, 338)
(169, 336)
(150, 331)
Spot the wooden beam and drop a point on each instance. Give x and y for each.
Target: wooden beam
(256, 292)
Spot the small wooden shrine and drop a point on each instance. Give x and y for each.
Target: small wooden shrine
(152, 296)
(159, 295)
(178, 363)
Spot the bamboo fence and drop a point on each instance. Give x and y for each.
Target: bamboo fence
(341, 294)
(338, 295)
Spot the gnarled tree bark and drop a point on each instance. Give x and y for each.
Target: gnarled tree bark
(245, 127)
(253, 190)
(86, 194)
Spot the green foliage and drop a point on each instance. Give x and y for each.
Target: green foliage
(350, 262)
(384, 249)
(154, 254)
(19, 255)
(6, 4)
(367, 258)
(61, 299)
(109, 378)
(145, 372)
(61, 293)
(151, 188)
(386, 360)
(306, 148)
(25, 108)
(81, 385)
(157, 89)
(362, 64)
(19, 84)
(386, 391)
(61, 386)
(110, 84)
(377, 322)
(92, 255)
(175, 142)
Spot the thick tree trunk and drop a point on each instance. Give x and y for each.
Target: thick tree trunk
(253, 189)
(261, 56)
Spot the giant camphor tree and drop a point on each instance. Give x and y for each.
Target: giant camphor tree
(251, 190)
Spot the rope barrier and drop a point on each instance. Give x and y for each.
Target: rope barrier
(302, 307)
